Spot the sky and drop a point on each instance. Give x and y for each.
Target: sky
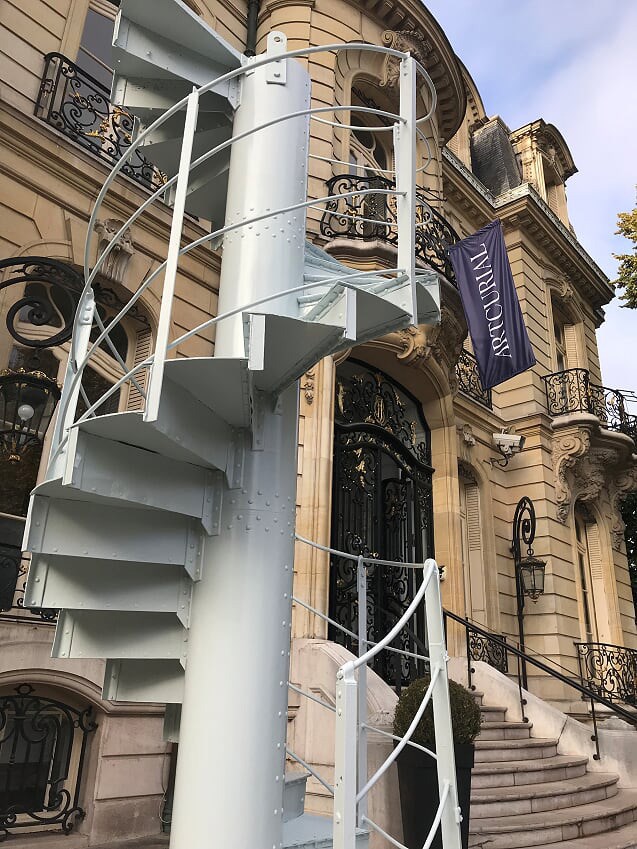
(573, 63)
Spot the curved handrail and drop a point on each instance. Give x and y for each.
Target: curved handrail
(228, 77)
(389, 760)
(76, 369)
(431, 567)
(341, 279)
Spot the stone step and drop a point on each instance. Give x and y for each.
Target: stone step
(494, 730)
(478, 696)
(549, 796)
(621, 838)
(533, 771)
(549, 827)
(493, 714)
(514, 750)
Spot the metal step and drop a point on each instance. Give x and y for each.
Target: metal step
(313, 832)
(150, 681)
(56, 582)
(76, 529)
(206, 440)
(113, 634)
(222, 385)
(110, 473)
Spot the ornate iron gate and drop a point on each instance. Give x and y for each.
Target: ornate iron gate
(382, 508)
(42, 752)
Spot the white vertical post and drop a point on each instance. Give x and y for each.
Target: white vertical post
(446, 761)
(405, 151)
(68, 399)
(345, 788)
(361, 577)
(156, 376)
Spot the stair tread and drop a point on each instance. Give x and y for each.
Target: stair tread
(531, 743)
(625, 800)
(530, 765)
(624, 837)
(548, 788)
(502, 723)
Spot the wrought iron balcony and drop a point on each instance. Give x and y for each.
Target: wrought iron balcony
(370, 217)
(572, 391)
(79, 106)
(609, 670)
(469, 382)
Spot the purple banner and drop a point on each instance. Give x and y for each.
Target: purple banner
(500, 341)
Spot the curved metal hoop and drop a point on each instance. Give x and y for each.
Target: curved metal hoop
(523, 527)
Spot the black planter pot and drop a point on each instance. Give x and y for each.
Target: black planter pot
(419, 800)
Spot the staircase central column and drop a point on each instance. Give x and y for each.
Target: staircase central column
(231, 765)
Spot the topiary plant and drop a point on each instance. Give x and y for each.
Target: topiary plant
(465, 713)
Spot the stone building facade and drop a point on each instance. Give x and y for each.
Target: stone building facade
(59, 135)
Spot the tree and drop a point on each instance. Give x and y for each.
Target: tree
(627, 271)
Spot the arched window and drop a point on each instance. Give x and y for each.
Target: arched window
(50, 296)
(382, 507)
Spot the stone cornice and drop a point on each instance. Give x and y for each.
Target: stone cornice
(523, 207)
(441, 62)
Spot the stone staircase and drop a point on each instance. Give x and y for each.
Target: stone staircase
(525, 794)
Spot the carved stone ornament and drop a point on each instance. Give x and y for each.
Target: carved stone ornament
(467, 435)
(624, 484)
(568, 449)
(584, 468)
(407, 41)
(116, 263)
(309, 380)
(443, 342)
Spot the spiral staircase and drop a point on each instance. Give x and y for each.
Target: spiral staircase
(133, 517)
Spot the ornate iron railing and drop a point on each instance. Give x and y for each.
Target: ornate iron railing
(469, 382)
(595, 695)
(372, 217)
(79, 106)
(42, 753)
(572, 391)
(488, 649)
(14, 568)
(609, 670)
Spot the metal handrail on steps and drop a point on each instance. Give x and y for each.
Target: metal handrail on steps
(352, 786)
(584, 691)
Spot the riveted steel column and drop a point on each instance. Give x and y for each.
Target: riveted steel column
(231, 765)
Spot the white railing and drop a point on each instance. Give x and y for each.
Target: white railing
(351, 782)
(405, 126)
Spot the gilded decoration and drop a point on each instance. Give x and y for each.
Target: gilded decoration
(407, 41)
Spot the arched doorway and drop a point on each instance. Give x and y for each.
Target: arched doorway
(381, 507)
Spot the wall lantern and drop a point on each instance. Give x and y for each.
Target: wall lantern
(531, 571)
(27, 403)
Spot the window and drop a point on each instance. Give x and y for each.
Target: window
(565, 340)
(472, 560)
(594, 610)
(583, 572)
(94, 55)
